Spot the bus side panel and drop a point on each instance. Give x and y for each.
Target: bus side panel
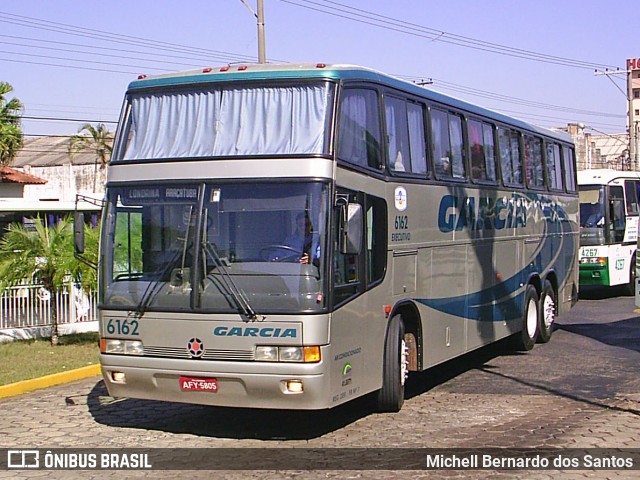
(357, 337)
(486, 264)
(570, 228)
(444, 327)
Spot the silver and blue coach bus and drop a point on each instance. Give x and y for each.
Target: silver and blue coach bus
(296, 236)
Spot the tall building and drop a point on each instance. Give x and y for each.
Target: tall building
(633, 82)
(600, 151)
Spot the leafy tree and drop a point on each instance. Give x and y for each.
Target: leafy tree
(46, 255)
(10, 131)
(94, 139)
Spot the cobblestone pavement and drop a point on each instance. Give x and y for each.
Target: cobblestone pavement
(581, 390)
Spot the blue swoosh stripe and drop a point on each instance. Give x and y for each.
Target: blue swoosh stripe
(509, 294)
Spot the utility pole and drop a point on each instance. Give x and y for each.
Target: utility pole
(633, 66)
(262, 49)
(633, 152)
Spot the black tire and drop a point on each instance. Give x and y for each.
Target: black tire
(548, 309)
(394, 368)
(630, 288)
(526, 339)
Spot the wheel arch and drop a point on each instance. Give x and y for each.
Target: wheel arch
(411, 318)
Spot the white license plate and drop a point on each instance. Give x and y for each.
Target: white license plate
(198, 384)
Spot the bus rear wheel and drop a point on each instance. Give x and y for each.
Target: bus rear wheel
(394, 368)
(547, 313)
(526, 339)
(630, 288)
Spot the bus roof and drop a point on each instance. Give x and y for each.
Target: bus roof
(604, 176)
(256, 72)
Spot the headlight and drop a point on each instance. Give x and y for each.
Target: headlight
(269, 353)
(266, 354)
(602, 261)
(121, 347)
(290, 354)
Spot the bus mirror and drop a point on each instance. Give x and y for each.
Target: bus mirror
(350, 229)
(78, 232)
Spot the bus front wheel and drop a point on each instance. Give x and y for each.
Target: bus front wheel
(526, 339)
(394, 368)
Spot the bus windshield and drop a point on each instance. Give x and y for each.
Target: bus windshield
(246, 247)
(216, 121)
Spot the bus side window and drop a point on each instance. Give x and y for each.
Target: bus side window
(631, 193)
(448, 144)
(554, 167)
(376, 238)
(483, 162)
(569, 169)
(347, 273)
(359, 135)
(533, 161)
(510, 156)
(616, 214)
(405, 136)
(397, 134)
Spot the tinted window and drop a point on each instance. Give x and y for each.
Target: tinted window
(510, 156)
(415, 115)
(483, 165)
(359, 135)
(448, 144)
(631, 192)
(569, 168)
(554, 167)
(533, 161)
(405, 135)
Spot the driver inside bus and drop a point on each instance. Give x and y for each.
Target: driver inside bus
(302, 240)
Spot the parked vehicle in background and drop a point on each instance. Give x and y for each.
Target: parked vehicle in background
(608, 228)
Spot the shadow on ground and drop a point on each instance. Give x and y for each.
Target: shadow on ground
(242, 423)
(601, 293)
(621, 333)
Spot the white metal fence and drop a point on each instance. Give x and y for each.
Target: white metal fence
(30, 306)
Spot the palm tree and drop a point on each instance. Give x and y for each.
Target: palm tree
(10, 131)
(95, 139)
(47, 256)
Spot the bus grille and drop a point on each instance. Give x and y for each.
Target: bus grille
(209, 354)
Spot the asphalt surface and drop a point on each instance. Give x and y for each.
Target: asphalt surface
(580, 391)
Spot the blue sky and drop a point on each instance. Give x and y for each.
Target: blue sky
(71, 59)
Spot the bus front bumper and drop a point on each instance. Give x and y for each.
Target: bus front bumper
(237, 384)
(596, 275)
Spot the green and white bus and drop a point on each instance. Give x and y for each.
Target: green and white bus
(608, 228)
(296, 236)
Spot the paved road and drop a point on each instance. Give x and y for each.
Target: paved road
(581, 390)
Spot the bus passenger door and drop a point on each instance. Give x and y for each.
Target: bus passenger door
(357, 319)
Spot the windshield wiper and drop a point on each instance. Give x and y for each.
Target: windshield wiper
(152, 288)
(239, 296)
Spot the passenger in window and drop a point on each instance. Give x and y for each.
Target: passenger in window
(478, 171)
(444, 167)
(398, 165)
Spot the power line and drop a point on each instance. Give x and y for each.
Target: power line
(389, 23)
(442, 84)
(221, 57)
(57, 27)
(59, 119)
